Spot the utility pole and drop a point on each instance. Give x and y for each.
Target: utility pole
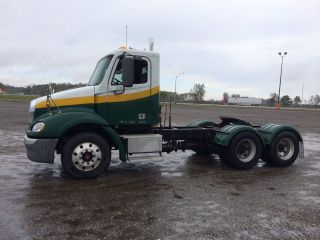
(282, 56)
(302, 95)
(175, 87)
(126, 37)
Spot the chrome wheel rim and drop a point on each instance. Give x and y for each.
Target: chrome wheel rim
(285, 149)
(246, 150)
(86, 156)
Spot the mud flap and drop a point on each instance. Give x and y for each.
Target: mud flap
(301, 150)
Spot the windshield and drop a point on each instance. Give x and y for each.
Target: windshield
(100, 70)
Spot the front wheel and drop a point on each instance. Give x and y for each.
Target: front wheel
(86, 155)
(243, 152)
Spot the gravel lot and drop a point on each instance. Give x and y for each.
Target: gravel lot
(177, 196)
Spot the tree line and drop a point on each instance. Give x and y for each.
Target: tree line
(196, 94)
(285, 100)
(38, 89)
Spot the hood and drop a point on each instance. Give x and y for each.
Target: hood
(76, 96)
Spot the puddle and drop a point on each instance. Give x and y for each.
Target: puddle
(169, 165)
(308, 196)
(311, 142)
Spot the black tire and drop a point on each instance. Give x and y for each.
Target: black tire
(274, 157)
(90, 162)
(243, 152)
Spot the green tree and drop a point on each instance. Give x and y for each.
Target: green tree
(198, 91)
(311, 102)
(297, 100)
(286, 100)
(315, 100)
(225, 98)
(166, 96)
(28, 90)
(235, 95)
(273, 99)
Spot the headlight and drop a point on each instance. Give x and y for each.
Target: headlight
(38, 127)
(32, 106)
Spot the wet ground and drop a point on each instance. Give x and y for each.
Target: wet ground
(177, 196)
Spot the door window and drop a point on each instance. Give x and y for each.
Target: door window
(140, 72)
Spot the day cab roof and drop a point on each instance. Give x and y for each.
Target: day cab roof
(135, 52)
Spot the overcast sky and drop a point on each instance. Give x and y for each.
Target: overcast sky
(229, 46)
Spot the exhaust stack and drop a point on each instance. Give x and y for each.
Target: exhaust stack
(151, 43)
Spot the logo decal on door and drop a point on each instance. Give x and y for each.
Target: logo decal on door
(141, 116)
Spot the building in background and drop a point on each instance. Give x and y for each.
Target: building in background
(246, 101)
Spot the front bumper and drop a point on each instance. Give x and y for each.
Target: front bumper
(40, 150)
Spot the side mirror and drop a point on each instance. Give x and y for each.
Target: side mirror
(118, 89)
(127, 71)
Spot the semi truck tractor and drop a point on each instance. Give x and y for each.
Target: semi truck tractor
(119, 110)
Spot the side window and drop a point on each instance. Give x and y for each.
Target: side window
(140, 72)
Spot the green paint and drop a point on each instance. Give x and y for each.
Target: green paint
(105, 115)
(266, 133)
(58, 123)
(123, 113)
(270, 131)
(226, 134)
(119, 113)
(117, 141)
(44, 112)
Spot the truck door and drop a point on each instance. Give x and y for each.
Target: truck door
(130, 105)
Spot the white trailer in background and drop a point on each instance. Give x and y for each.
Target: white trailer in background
(247, 101)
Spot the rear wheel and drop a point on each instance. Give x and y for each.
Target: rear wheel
(243, 152)
(284, 149)
(86, 155)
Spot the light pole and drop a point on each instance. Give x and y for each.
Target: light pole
(282, 56)
(175, 86)
(302, 95)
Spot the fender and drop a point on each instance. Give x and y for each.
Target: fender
(226, 134)
(270, 131)
(57, 124)
(117, 141)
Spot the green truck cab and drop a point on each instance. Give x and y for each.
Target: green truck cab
(119, 110)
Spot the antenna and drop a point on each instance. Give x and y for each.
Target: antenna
(126, 37)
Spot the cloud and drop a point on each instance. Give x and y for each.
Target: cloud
(227, 45)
